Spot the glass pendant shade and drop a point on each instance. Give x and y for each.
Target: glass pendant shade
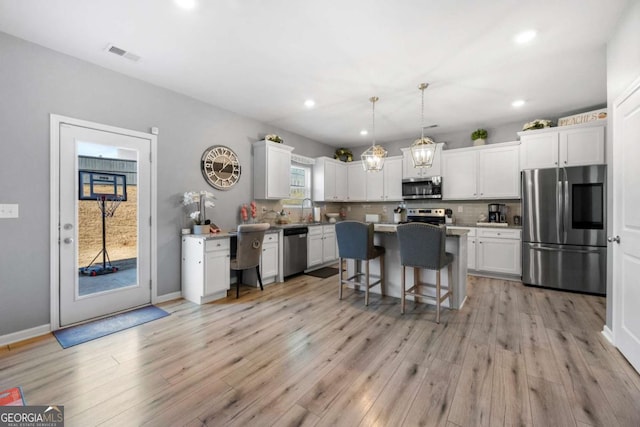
(423, 151)
(373, 157)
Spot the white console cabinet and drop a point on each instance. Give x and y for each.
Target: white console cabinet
(205, 268)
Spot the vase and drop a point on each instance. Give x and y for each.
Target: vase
(479, 141)
(201, 229)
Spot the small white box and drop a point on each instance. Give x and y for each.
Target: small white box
(372, 218)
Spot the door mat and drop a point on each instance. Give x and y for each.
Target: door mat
(79, 334)
(323, 272)
(12, 397)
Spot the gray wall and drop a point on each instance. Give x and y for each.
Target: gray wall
(35, 82)
(623, 68)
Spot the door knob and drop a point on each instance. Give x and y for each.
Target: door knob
(68, 240)
(614, 239)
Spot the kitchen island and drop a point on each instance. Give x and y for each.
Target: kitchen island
(456, 244)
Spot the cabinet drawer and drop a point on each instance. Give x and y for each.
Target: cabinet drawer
(270, 238)
(472, 231)
(315, 231)
(216, 245)
(499, 234)
(328, 229)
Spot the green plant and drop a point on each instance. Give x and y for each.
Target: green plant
(274, 138)
(343, 154)
(479, 134)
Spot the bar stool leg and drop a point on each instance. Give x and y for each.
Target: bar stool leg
(366, 284)
(340, 279)
(402, 288)
(438, 296)
(450, 281)
(382, 281)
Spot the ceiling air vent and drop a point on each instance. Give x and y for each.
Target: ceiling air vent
(121, 52)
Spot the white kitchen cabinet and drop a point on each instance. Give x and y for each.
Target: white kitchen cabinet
(271, 170)
(321, 245)
(357, 182)
(329, 243)
(269, 260)
(329, 180)
(563, 146)
(471, 245)
(487, 172)
(499, 251)
(205, 269)
(385, 185)
(409, 171)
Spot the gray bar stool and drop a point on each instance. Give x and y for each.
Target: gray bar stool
(355, 241)
(250, 238)
(423, 246)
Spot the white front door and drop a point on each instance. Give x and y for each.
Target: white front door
(626, 226)
(104, 259)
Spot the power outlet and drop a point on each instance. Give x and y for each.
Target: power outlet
(348, 208)
(460, 209)
(9, 211)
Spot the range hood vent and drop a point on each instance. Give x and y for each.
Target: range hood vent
(121, 52)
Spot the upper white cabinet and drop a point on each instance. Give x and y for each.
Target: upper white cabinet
(563, 146)
(357, 182)
(408, 171)
(487, 172)
(329, 180)
(385, 185)
(271, 170)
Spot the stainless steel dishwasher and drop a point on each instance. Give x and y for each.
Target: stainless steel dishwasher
(295, 250)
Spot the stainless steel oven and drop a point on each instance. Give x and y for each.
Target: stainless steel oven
(422, 188)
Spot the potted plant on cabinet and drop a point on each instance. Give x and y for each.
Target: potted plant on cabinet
(196, 204)
(479, 136)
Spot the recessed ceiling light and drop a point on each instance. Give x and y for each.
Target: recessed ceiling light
(186, 4)
(525, 36)
(364, 132)
(309, 103)
(518, 103)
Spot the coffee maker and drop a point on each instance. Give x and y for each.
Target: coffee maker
(497, 212)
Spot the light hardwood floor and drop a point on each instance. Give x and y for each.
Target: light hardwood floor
(296, 355)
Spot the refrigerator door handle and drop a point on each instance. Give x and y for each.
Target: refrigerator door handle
(559, 207)
(575, 251)
(565, 206)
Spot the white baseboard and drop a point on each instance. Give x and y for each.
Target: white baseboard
(608, 334)
(168, 297)
(25, 334)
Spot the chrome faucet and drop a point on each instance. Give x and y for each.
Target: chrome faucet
(302, 219)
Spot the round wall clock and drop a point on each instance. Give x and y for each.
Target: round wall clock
(220, 167)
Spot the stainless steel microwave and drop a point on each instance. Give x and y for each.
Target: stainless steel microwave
(422, 188)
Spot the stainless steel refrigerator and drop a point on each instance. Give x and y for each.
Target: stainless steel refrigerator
(564, 228)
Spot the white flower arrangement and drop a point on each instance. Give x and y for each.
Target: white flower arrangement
(196, 202)
(273, 138)
(537, 124)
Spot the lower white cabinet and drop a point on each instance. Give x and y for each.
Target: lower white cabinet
(269, 258)
(205, 268)
(321, 245)
(493, 250)
(499, 251)
(471, 245)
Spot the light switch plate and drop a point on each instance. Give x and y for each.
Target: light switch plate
(9, 211)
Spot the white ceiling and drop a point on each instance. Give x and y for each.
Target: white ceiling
(262, 59)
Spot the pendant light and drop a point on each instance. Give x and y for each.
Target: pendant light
(373, 158)
(423, 150)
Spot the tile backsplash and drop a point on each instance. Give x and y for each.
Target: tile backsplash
(471, 210)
